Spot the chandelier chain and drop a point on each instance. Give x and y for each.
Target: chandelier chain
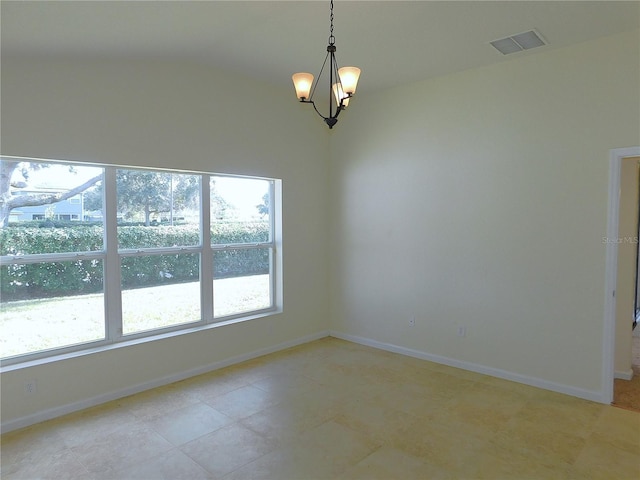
(332, 39)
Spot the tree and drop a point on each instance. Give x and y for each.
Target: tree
(146, 193)
(220, 208)
(139, 192)
(263, 208)
(150, 191)
(8, 201)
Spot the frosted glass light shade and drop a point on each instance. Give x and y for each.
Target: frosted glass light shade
(303, 83)
(349, 78)
(338, 94)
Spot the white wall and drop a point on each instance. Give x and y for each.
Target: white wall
(181, 116)
(479, 199)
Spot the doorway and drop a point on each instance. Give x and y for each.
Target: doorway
(621, 268)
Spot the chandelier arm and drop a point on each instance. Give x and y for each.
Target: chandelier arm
(331, 70)
(318, 112)
(318, 77)
(334, 116)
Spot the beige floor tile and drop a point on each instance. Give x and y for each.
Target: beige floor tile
(495, 394)
(443, 444)
(539, 441)
(370, 390)
(283, 423)
(124, 447)
(63, 464)
(29, 445)
(391, 464)
(333, 375)
(286, 420)
(284, 385)
(321, 453)
(618, 427)
(188, 423)
(376, 421)
(227, 449)
(407, 368)
(601, 460)
(81, 427)
(562, 413)
(156, 402)
(443, 384)
(208, 386)
(418, 400)
(257, 369)
(173, 465)
(493, 462)
(244, 401)
(484, 406)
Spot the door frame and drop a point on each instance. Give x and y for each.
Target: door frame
(611, 270)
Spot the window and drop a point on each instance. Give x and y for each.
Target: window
(158, 251)
(242, 245)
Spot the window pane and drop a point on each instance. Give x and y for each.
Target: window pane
(50, 305)
(159, 291)
(241, 281)
(240, 209)
(157, 209)
(46, 202)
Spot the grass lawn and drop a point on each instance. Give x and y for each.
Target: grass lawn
(35, 325)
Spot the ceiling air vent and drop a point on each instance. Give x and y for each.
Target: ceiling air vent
(517, 43)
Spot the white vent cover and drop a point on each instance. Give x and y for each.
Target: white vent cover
(519, 42)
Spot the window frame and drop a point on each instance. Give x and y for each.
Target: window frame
(111, 257)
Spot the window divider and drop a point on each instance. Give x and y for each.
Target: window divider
(112, 287)
(206, 256)
(134, 252)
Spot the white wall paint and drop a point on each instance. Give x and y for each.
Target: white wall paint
(178, 116)
(480, 199)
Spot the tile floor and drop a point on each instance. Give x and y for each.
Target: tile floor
(333, 409)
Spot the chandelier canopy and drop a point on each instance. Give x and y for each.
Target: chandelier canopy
(342, 82)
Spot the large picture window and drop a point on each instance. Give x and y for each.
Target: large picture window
(135, 253)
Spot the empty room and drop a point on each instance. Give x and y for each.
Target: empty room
(339, 239)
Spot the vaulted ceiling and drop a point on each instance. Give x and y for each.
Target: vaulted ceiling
(394, 42)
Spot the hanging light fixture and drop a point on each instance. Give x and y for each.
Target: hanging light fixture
(342, 82)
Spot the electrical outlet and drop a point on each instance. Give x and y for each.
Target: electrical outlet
(30, 387)
(462, 331)
(412, 321)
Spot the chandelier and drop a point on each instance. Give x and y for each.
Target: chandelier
(342, 83)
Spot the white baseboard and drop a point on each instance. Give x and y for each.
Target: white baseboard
(593, 395)
(107, 397)
(624, 375)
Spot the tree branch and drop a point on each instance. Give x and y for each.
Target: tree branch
(44, 199)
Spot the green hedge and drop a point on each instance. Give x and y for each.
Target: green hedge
(85, 276)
